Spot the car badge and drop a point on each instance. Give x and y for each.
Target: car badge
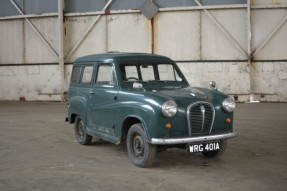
(202, 108)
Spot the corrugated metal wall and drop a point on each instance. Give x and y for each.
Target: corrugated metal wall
(209, 43)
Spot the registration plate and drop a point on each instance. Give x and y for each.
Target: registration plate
(203, 147)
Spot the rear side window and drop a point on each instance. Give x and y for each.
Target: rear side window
(87, 74)
(76, 74)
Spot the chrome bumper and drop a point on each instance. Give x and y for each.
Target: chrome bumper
(174, 141)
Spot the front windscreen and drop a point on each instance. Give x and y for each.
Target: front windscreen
(149, 74)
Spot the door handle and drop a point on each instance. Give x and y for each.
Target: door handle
(91, 92)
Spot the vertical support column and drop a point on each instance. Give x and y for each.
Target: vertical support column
(107, 33)
(249, 34)
(61, 46)
(151, 36)
(249, 53)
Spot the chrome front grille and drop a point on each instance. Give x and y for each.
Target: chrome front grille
(200, 117)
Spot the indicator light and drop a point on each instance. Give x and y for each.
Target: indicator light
(168, 126)
(228, 120)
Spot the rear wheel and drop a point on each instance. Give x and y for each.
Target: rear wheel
(216, 154)
(140, 152)
(80, 131)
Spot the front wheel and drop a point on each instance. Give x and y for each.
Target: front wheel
(216, 154)
(80, 131)
(140, 152)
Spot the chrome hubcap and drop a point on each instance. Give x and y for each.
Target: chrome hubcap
(138, 146)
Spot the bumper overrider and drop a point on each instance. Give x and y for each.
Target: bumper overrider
(185, 140)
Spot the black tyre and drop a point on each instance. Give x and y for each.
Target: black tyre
(140, 152)
(216, 154)
(80, 131)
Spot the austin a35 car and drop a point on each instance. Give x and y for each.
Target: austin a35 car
(144, 101)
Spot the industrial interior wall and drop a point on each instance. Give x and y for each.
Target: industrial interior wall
(30, 69)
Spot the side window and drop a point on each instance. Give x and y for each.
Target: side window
(105, 75)
(131, 73)
(76, 74)
(147, 72)
(87, 74)
(167, 72)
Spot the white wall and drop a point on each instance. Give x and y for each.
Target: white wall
(32, 82)
(185, 36)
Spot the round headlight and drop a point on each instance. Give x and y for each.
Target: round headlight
(169, 109)
(229, 104)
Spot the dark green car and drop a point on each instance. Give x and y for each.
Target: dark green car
(145, 101)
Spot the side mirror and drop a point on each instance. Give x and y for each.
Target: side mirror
(212, 85)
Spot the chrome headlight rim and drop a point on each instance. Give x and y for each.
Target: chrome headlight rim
(228, 104)
(169, 108)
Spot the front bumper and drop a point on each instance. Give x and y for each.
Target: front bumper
(174, 141)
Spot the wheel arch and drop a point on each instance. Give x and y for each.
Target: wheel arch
(128, 122)
(77, 107)
(73, 118)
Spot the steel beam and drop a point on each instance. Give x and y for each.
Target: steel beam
(169, 9)
(269, 7)
(29, 16)
(249, 32)
(88, 30)
(249, 40)
(203, 7)
(61, 5)
(95, 13)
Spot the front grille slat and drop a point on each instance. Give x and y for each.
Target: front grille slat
(200, 118)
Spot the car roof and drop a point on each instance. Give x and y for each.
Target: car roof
(122, 57)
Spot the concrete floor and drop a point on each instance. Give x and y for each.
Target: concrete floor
(38, 151)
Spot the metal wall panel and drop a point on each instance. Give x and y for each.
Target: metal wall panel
(11, 42)
(28, 7)
(7, 9)
(81, 6)
(126, 4)
(215, 44)
(40, 6)
(128, 33)
(94, 43)
(175, 39)
(263, 25)
(172, 3)
(35, 50)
